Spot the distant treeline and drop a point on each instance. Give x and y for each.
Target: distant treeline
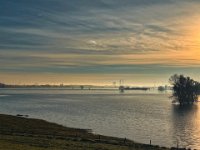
(40, 86)
(137, 88)
(82, 87)
(2, 85)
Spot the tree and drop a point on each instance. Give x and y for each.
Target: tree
(2, 85)
(185, 89)
(82, 87)
(161, 88)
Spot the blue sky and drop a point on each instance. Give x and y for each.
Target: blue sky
(98, 41)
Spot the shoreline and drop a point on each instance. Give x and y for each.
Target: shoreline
(27, 133)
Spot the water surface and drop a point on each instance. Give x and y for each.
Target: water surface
(137, 115)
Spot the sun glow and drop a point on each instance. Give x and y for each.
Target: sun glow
(190, 40)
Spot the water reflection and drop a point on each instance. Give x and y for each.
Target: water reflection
(186, 125)
(137, 115)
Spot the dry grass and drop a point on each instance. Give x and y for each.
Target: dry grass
(18, 133)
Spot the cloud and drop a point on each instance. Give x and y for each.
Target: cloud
(64, 25)
(99, 36)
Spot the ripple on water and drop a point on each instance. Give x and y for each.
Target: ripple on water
(3, 95)
(137, 116)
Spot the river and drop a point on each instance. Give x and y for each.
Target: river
(138, 115)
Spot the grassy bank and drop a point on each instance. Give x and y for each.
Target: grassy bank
(19, 133)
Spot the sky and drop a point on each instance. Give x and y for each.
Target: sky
(142, 42)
